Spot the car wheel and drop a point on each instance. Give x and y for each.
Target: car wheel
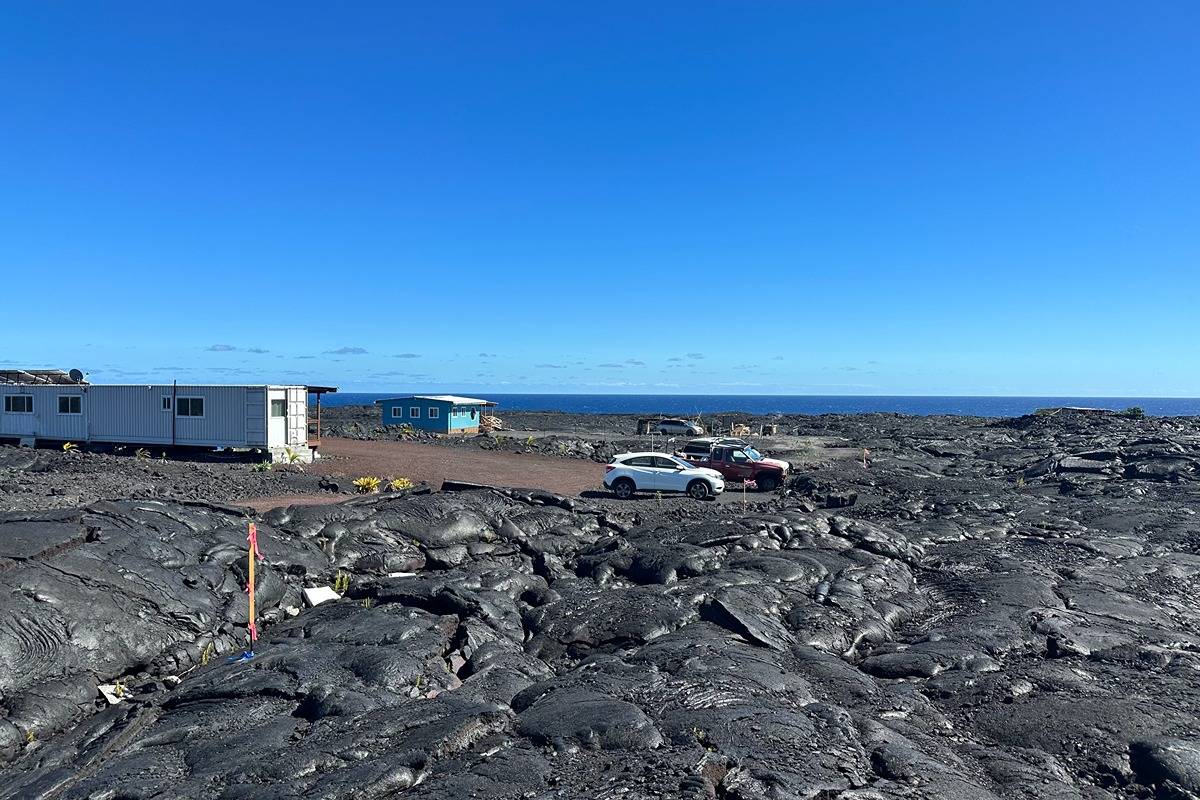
(699, 490)
(624, 488)
(767, 483)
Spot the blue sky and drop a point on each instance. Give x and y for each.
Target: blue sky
(792, 197)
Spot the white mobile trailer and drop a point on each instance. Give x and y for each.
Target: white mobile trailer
(271, 418)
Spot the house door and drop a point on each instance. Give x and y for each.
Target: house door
(277, 428)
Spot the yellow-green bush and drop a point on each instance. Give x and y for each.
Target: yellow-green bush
(367, 484)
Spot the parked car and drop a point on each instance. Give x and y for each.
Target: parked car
(678, 426)
(702, 446)
(660, 472)
(739, 463)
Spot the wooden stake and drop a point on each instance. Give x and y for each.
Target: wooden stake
(251, 552)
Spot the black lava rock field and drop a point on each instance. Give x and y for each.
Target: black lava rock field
(979, 609)
(44, 478)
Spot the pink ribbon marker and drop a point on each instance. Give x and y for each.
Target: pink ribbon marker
(253, 539)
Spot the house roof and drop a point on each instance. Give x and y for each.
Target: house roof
(452, 399)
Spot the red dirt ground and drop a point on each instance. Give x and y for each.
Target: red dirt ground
(346, 459)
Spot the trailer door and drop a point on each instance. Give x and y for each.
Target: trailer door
(277, 423)
(297, 418)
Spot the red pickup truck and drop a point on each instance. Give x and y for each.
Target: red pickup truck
(740, 464)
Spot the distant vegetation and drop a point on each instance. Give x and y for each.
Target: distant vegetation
(1134, 412)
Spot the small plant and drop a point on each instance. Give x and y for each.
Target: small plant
(293, 458)
(341, 582)
(1134, 412)
(1020, 481)
(141, 453)
(529, 441)
(261, 466)
(367, 484)
(30, 737)
(70, 447)
(367, 602)
(658, 496)
(418, 681)
(206, 654)
(119, 688)
(400, 484)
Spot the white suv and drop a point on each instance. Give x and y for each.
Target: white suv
(659, 472)
(670, 426)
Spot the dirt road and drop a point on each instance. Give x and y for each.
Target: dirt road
(351, 458)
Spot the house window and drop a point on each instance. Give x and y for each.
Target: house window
(70, 404)
(414, 412)
(189, 407)
(166, 403)
(397, 412)
(433, 413)
(279, 408)
(18, 403)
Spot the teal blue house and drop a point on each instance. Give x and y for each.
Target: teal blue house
(437, 413)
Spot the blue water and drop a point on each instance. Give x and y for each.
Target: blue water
(801, 404)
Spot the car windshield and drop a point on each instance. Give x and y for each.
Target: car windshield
(754, 454)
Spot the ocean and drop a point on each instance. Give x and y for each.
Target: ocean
(690, 405)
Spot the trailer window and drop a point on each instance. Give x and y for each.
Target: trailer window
(18, 403)
(166, 403)
(414, 412)
(189, 407)
(397, 412)
(279, 408)
(433, 413)
(70, 404)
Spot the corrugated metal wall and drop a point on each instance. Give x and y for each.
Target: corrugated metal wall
(256, 415)
(136, 414)
(45, 421)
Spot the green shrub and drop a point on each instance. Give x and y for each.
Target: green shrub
(341, 582)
